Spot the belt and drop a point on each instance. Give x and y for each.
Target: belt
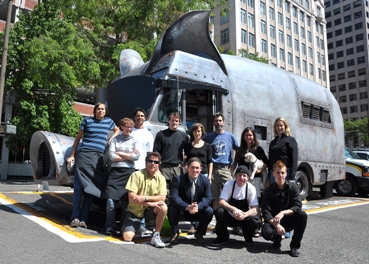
(220, 166)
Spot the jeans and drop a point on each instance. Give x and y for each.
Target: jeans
(81, 201)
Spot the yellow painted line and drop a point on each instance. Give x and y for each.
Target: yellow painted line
(69, 234)
(327, 208)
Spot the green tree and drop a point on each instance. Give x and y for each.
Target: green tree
(48, 59)
(357, 129)
(253, 56)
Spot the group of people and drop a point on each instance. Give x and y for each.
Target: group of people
(178, 178)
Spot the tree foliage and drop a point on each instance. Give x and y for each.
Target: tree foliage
(63, 45)
(253, 56)
(357, 129)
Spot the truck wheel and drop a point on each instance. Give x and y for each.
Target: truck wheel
(347, 187)
(303, 183)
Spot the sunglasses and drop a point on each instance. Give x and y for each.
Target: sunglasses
(153, 161)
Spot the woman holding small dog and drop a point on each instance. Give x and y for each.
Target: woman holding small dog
(250, 143)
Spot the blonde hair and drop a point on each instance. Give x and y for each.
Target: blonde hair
(126, 121)
(287, 127)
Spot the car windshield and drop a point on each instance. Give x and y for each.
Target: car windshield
(350, 155)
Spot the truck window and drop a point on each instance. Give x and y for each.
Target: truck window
(168, 104)
(199, 108)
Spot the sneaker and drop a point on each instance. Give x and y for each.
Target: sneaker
(156, 241)
(174, 238)
(219, 241)
(295, 252)
(75, 222)
(83, 224)
(145, 232)
(237, 231)
(287, 235)
(199, 238)
(191, 231)
(257, 232)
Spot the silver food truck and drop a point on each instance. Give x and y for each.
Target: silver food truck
(187, 74)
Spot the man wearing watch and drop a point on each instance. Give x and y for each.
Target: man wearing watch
(190, 199)
(146, 193)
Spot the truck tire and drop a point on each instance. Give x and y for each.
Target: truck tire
(346, 187)
(303, 183)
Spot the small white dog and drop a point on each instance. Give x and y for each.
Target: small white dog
(255, 164)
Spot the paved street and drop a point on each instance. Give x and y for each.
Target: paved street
(35, 229)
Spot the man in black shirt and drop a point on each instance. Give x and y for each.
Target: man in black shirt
(281, 209)
(170, 143)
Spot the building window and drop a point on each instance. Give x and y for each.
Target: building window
(360, 60)
(303, 48)
(360, 48)
(289, 42)
(296, 44)
(332, 78)
(262, 8)
(349, 40)
(224, 36)
(281, 54)
(323, 59)
(250, 3)
(358, 26)
(251, 40)
(346, 7)
(356, 3)
(272, 50)
(264, 46)
(352, 97)
(362, 83)
(349, 51)
(251, 21)
(272, 31)
(341, 65)
(331, 56)
(243, 36)
(307, 4)
(280, 19)
(339, 54)
(351, 74)
(342, 87)
(289, 58)
(271, 13)
(350, 62)
(361, 71)
(297, 62)
(294, 11)
(287, 6)
(302, 16)
(339, 43)
(279, 3)
(331, 67)
(343, 99)
(310, 51)
(322, 44)
(308, 21)
(304, 66)
(243, 16)
(359, 37)
(337, 21)
(311, 69)
(224, 16)
(309, 36)
(263, 27)
(344, 110)
(337, 11)
(352, 85)
(364, 108)
(347, 18)
(295, 28)
(280, 36)
(364, 95)
(348, 29)
(288, 23)
(357, 15)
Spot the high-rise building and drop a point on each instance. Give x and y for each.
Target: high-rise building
(289, 34)
(25, 5)
(347, 35)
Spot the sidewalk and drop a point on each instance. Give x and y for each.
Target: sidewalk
(17, 184)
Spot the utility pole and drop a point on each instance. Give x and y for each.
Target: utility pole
(4, 151)
(5, 56)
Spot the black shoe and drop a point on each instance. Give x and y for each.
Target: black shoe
(249, 242)
(199, 238)
(219, 241)
(277, 244)
(110, 232)
(295, 252)
(174, 238)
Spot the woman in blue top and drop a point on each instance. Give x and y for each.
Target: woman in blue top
(90, 177)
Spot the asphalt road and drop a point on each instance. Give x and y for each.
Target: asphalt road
(35, 229)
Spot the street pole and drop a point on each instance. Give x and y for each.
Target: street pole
(4, 151)
(5, 56)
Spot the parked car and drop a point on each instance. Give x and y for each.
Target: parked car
(357, 176)
(362, 154)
